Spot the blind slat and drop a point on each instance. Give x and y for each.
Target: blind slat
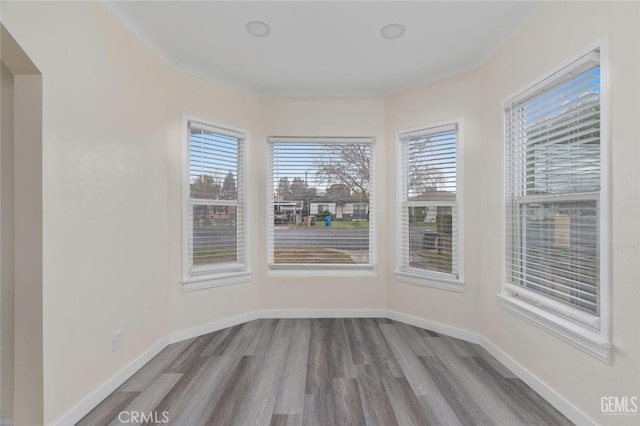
(429, 210)
(312, 177)
(215, 205)
(553, 178)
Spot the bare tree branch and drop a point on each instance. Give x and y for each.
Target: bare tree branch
(348, 164)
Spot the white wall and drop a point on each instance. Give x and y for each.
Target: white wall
(105, 245)
(320, 117)
(6, 249)
(112, 170)
(28, 253)
(21, 248)
(558, 33)
(455, 98)
(197, 98)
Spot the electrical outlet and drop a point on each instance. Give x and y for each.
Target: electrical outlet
(116, 341)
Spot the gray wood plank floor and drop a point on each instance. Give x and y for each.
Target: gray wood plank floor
(324, 372)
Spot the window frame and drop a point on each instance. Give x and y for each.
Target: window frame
(323, 270)
(587, 332)
(416, 276)
(226, 273)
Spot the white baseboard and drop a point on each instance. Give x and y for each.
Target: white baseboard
(274, 313)
(322, 313)
(447, 330)
(550, 395)
(555, 399)
(83, 408)
(210, 327)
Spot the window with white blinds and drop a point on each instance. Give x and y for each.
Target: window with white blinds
(321, 212)
(215, 212)
(554, 193)
(429, 213)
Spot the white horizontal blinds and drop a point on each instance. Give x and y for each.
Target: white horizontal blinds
(429, 200)
(312, 178)
(553, 187)
(216, 209)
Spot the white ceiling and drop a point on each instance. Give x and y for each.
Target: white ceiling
(323, 48)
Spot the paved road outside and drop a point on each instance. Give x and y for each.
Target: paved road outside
(346, 239)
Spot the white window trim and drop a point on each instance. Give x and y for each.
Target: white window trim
(214, 275)
(326, 270)
(586, 332)
(422, 277)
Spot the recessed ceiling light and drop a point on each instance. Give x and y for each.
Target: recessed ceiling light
(392, 31)
(258, 28)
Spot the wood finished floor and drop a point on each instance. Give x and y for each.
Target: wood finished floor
(326, 372)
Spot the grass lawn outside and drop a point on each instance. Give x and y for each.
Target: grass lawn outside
(431, 260)
(209, 255)
(423, 225)
(341, 224)
(314, 255)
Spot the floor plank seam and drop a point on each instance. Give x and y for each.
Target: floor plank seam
(326, 371)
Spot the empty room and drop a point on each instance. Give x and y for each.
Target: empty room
(320, 213)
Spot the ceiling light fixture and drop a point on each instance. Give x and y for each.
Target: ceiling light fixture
(258, 28)
(392, 31)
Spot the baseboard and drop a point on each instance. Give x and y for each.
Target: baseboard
(322, 313)
(273, 313)
(105, 390)
(83, 408)
(555, 399)
(447, 330)
(549, 394)
(210, 327)
(6, 423)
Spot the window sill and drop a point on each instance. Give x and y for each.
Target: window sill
(582, 337)
(431, 280)
(218, 280)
